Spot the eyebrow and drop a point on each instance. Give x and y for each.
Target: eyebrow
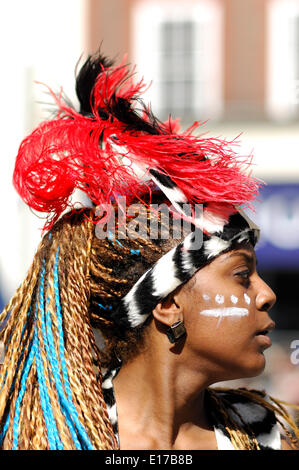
(248, 258)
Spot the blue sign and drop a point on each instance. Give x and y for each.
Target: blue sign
(277, 214)
(2, 305)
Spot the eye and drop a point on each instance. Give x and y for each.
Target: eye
(244, 275)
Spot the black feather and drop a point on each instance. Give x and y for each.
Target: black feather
(118, 107)
(86, 79)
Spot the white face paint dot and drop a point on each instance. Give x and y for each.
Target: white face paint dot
(247, 299)
(219, 299)
(206, 297)
(234, 299)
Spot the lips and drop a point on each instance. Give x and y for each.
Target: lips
(262, 332)
(269, 327)
(262, 337)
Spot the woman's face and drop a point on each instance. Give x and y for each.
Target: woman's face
(225, 309)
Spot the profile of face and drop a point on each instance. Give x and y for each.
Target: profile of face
(225, 308)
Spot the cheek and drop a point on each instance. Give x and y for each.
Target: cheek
(221, 310)
(221, 328)
(224, 305)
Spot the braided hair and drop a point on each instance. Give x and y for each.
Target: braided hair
(51, 395)
(51, 376)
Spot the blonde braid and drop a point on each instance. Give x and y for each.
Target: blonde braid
(82, 376)
(12, 397)
(38, 438)
(11, 335)
(33, 321)
(25, 415)
(80, 315)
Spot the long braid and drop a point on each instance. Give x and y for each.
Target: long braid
(92, 390)
(38, 438)
(82, 376)
(73, 341)
(45, 403)
(17, 313)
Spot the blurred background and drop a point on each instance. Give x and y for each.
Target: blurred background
(234, 63)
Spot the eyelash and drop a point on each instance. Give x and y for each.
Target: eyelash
(244, 275)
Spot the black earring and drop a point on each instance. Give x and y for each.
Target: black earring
(176, 331)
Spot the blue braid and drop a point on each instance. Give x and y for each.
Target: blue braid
(53, 435)
(77, 430)
(5, 427)
(44, 402)
(67, 402)
(56, 375)
(107, 307)
(112, 238)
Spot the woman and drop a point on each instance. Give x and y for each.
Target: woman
(177, 312)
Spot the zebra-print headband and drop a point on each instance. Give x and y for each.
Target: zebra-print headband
(178, 265)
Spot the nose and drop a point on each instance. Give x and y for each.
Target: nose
(265, 298)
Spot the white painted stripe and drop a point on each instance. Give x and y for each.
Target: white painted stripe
(225, 312)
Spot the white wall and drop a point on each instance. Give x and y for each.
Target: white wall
(39, 40)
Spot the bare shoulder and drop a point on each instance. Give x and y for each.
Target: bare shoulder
(284, 444)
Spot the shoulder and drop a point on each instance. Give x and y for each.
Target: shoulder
(285, 445)
(249, 410)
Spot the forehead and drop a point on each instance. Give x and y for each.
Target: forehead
(246, 252)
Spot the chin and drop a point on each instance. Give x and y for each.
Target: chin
(255, 367)
(252, 368)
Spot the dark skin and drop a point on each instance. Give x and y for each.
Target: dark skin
(160, 392)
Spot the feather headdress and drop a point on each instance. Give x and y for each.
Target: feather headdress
(114, 146)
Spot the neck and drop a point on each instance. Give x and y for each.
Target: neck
(160, 394)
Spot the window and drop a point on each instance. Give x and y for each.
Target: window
(178, 46)
(177, 58)
(283, 59)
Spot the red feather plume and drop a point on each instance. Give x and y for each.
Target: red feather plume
(64, 154)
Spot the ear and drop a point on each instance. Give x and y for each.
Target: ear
(168, 311)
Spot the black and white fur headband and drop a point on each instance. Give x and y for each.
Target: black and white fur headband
(178, 265)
